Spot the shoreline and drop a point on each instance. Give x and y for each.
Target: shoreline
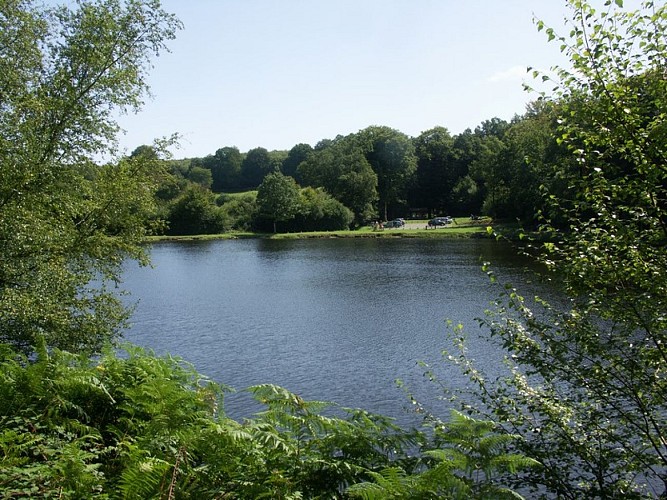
(415, 229)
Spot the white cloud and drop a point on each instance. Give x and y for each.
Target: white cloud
(515, 73)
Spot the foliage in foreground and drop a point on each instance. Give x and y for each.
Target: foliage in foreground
(587, 387)
(67, 221)
(132, 425)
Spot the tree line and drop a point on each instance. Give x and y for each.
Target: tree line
(582, 409)
(499, 169)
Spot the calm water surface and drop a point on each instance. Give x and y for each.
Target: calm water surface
(334, 320)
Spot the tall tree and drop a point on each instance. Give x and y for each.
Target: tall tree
(195, 212)
(319, 211)
(66, 223)
(296, 155)
(490, 169)
(495, 127)
(278, 198)
(436, 174)
(588, 387)
(201, 176)
(256, 165)
(531, 154)
(391, 154)
(469, 191)
(225, 167)
(278, 157)
(342, 170)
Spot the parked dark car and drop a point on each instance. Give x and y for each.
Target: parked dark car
(440, 221)
(394, 223)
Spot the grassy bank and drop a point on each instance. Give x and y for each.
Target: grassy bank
(462, 228)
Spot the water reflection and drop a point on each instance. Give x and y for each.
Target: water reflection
(335, 320)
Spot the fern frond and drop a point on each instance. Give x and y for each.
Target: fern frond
(143, 478)
(368, 491)
(513, 463)
(388, 483)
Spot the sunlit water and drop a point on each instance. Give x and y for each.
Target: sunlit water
(335, 320)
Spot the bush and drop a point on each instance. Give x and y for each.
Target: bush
(195, 212)
(132, 425)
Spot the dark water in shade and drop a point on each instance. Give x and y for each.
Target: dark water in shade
(334, 320)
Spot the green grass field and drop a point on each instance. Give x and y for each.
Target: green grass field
(463, 228)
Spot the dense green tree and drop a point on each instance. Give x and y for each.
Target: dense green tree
(342, 170)
(494, 127)
(169, 185)
(296, 155)
(465, 196)
(256, 165)
(201, 176)
(225, 167)
(530, 157)
(169, 188)
(481, 156)
(391, 155)
(278, 198)
(357, 185)
(466, 150)
(489, 169)
(277, 157)
(64, 220)
(180, 168)
(319, 211)
(436, 174)
(325, 143)
(239, 210)
(588, 387)
(145, 151)
(499, 169)
(195, 212)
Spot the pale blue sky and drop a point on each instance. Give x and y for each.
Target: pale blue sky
(275, 73)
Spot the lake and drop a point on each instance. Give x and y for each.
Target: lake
(330, 319)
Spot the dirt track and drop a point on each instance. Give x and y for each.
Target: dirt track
(417, 225)
(414, 225)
